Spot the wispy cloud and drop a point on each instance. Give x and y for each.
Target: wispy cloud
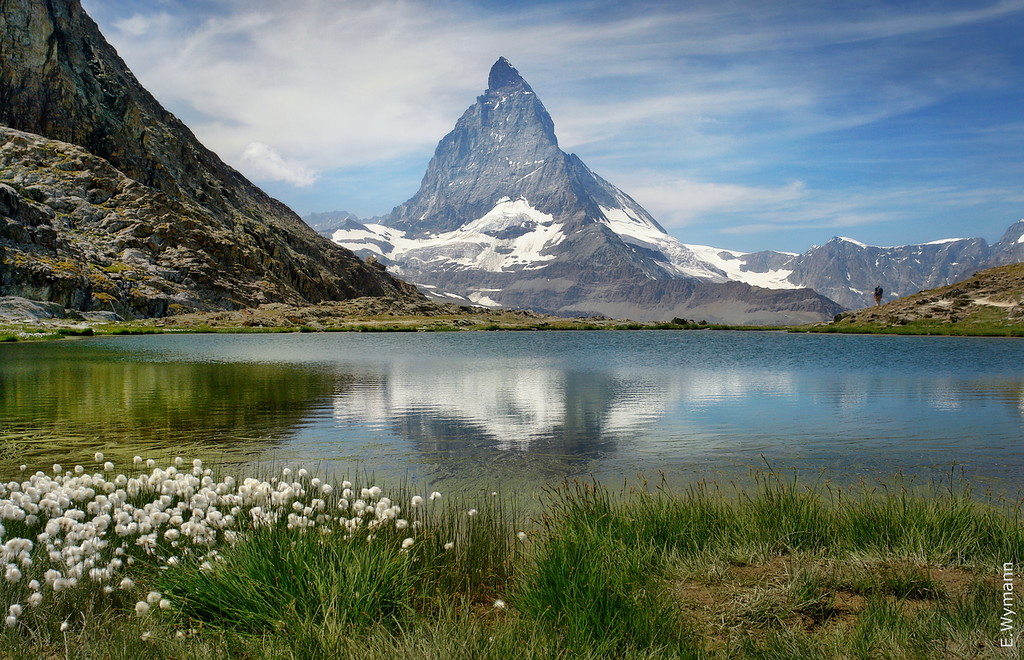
(267, 163)
(726, 101)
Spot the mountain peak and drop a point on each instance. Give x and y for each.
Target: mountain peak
(503, 74)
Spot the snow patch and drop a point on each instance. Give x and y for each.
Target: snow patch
(847, 239)
(511, 236)
(479, 298)
(732, 265)
(636, 230)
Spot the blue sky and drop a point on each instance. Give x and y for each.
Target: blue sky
(745, 124)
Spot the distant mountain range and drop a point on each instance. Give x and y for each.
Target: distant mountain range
(109, 204)
(505, 217)
(847, 270)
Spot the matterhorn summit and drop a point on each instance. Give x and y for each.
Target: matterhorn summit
(504, 217)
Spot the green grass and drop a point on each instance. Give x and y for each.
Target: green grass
(781, 568)
(961, 329)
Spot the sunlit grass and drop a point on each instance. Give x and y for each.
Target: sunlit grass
(187, 561)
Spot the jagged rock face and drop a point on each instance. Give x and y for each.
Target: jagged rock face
(503, 146)
(61, 80)
(848, 272)
(504, 216)
(1010, 248)
(76, 231)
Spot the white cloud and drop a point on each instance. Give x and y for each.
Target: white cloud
(677, 202)
(138, 25)
(339, 84)
(261, 161)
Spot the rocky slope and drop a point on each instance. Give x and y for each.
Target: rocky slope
(110, 202)
(994, 296)
(505, 217)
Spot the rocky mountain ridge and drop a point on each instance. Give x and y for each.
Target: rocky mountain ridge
(504, 217)
(847, 270)
(109, 202)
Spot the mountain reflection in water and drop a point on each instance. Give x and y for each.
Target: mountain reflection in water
(527, 408)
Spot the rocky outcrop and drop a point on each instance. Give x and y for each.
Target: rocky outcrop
(111, 201)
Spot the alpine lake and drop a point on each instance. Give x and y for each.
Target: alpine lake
(519, 410)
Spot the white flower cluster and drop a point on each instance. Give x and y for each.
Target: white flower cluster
(75, 527)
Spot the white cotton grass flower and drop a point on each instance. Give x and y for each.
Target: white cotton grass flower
(64, 625)
(521, 536)
(98, 456)
(86, 526)
(499, 604)
(12, 574)
(11, 621)
(472, 513)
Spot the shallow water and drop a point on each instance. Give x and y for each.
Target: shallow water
(520, 409)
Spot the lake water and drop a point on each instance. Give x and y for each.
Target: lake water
(501, 409)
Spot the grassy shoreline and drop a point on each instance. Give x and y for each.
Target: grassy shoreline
(292, 566)
(505, 321)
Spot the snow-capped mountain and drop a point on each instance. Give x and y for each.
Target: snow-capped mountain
(505, 217)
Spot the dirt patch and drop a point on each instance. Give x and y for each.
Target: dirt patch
(813, 595)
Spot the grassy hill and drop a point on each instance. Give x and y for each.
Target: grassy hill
(989, 303)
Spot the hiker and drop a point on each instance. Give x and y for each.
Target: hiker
(878, 296)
